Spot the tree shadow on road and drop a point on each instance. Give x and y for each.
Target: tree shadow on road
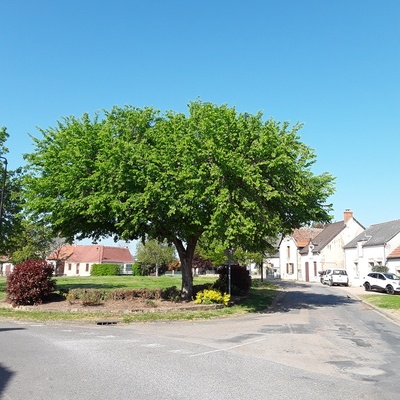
(5, 377)
(295, 296)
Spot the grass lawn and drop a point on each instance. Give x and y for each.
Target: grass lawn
(259, 298)
(3, 287)
(383, 301)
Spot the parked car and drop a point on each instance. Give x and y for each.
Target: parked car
(322, 276)
(335, 277)
(383, 282)
(325, 276)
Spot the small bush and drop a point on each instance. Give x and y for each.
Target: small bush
(212, 297)
(30, 283)
(240, 280)
(131, 294)
(380, 268)
(88, 297)
(171, 294)
(200, 288)
(137, 270)
(105, 269)
(92, 297)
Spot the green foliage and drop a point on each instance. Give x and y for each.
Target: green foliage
(12, 222)
(30, 283)
(105, 269)
(137, 270)
(380, 268)
(240, 280)
(230, 176)
(388, 302)
(33, 242)
(211, 297)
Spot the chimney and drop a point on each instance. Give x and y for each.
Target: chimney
(347, 215)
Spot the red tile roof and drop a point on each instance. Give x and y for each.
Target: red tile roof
(93, 253)
(395, 253)
(303, 236)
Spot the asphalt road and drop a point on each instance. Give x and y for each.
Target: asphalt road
(317, 343)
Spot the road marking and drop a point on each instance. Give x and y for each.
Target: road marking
(153, 345)
(228, 348)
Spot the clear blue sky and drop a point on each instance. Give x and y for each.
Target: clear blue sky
(333, 65)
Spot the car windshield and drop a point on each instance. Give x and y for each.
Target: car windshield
(391, 276)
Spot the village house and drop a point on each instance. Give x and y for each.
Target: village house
(289, 252)
(6, 267)
(376, 246)
(309, 251)
(326, 249)
(77, 260)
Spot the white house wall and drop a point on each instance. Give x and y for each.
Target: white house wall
(310, 267)
(394, 266)
(289, 259)
(85, 269)
(359, 261)
(77, 269)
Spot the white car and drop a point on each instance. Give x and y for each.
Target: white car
(335, 277)
(383, 282)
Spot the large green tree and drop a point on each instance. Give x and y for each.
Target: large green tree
(136, 172)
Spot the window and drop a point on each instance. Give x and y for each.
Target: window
(290, 268)
(288, 252)
(356, 269)
(77, 268)
(87, 267)
(69, 267)
(315, 268)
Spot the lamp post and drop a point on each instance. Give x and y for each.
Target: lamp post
(3, 187)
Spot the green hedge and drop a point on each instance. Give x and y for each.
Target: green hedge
(105, 269)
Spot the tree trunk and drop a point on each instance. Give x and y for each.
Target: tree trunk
(186, 257)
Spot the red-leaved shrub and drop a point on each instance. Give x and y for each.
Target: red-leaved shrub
(30, 283)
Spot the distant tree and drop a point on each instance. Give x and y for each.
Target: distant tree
(138, 173)
(33, 242)
(152, 255)
(200, 263)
